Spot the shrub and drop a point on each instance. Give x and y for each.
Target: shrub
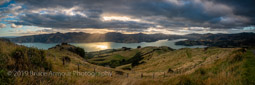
(236, 58)
(201, 71)
(119, 72)
(170, 70)
(5, 79)
(29, 59)
(136, 59)
(3, 61)
(78, 50)
(138, 46)
(126, 68)
(37, 58)
(185, 81)
(114, 63)
(66, 59)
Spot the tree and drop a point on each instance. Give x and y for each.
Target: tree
(80, 51)
(136, 59)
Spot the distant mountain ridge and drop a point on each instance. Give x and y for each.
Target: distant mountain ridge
(222, 40)
(80, 37)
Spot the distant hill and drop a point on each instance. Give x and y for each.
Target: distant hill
(219, 40)
(80, 37)
(222, 40)
(4, 39)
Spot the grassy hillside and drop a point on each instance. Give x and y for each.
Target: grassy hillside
(123, 57)
(15, 59)
(142, 66)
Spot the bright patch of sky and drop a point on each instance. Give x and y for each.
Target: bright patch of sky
(249, 28)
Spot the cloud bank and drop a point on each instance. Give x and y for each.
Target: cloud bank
(132, 15)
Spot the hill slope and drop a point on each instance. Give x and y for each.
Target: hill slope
(142, 66)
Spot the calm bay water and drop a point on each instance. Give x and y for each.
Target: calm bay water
(89, 47)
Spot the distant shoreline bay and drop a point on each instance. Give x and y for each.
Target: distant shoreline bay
(97, 46)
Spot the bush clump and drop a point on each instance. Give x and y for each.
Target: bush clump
(5, 79)
(78, 50)
(66, 59)
(29, 59)
(136, 59)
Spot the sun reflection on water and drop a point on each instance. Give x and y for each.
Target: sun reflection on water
(89, 47)
(103, 47)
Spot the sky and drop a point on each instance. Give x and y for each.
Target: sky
(178, 17)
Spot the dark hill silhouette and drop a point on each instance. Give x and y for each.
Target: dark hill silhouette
(80, 37)
(222, 40)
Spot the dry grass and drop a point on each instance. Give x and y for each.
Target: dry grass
(195, 66)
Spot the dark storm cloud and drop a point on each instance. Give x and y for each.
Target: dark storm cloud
(189, 11)
(171, 12)
(168, 13)
(241, 7)
(77, 21)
